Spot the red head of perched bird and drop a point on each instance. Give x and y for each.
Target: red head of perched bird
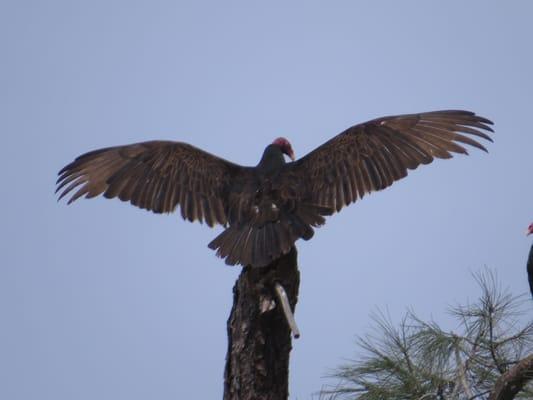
(266, 208)
(285, 147)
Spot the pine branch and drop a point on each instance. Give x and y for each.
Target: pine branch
(512, 382)
(419, 360)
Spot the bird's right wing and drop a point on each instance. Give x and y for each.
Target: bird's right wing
(157, 176)
(372, 155)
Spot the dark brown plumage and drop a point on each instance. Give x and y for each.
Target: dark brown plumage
(266, 208)
(530, 261)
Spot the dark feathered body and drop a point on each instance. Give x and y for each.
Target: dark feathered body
(266, 208)
(264, 219)
(530, 270)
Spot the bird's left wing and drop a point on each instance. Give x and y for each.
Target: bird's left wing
(371, 156)
(157, 176)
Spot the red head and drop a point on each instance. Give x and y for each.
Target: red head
(529, 230)
(285, 147)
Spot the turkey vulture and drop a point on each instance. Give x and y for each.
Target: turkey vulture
(530, 261)
(266, 208)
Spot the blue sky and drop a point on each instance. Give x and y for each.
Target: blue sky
(102, 300)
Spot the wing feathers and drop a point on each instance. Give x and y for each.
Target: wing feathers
(373, 155)
(156, 176)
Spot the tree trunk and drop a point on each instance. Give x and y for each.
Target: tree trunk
(513, 381)
(259, 338)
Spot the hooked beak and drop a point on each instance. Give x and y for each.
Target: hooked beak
(291, 155)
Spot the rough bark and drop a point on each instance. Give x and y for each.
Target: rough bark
(259, 338)
(514, 380)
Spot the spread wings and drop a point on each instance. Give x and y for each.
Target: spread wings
(159, 175)
(156, 176)
(371, 156)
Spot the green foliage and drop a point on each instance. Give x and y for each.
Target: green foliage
(418, 360)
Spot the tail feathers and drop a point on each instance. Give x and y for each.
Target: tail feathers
(249, 245)
(258, 246)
